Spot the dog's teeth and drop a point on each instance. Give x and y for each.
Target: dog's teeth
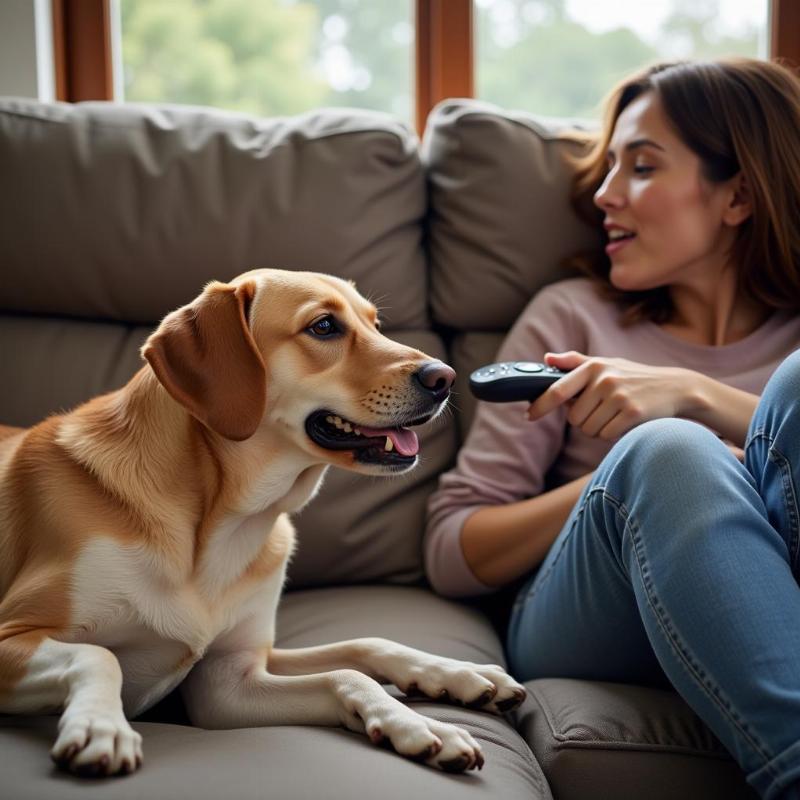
(389, 445)
(348, 427)
(337, 421)
(357, 431)
(329, 419)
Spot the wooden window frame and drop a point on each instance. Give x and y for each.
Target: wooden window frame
(82, 50)
(784, 34)
(445, 54)
(444, 49)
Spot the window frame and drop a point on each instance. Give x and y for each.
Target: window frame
(82, 50)
(444, 53)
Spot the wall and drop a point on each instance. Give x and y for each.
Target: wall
(26, 49)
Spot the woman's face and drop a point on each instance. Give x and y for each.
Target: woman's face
(674, 226)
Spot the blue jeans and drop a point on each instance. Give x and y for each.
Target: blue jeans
(678, 562)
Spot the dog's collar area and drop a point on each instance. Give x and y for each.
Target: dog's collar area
(391, 446)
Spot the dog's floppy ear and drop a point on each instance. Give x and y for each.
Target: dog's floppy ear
(204, 355)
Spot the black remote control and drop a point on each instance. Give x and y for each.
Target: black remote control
(508, 381)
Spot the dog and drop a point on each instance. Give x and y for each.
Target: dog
(144, 535)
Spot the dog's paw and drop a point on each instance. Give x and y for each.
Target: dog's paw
(460, 751)
(96, 743)
(509, 695)
(438, 744)
(485, 686)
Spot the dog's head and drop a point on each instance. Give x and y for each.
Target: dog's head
(302, 354)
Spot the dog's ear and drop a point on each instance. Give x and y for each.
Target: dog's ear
(204, 355)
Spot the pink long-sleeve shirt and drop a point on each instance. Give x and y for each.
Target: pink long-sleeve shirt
(507, 458)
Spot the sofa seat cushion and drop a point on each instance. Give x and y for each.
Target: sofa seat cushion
(411, 615)
(303, 762)
(596, 739)
(255, 763)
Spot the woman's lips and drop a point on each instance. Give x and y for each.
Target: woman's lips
(616, 246)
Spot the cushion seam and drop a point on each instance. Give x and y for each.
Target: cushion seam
(623, 746)
(565, 741)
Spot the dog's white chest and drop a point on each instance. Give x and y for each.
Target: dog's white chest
(119, 594)
(157, 630)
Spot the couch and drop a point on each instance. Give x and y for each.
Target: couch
(112, 215)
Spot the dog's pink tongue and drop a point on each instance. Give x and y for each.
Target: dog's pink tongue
(404, 440)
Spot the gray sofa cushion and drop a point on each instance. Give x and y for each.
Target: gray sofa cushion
(500, 220)
(124, 212)
(51, 364)
(413, 616)
(287, 763)
(597, 739)
(468, 351)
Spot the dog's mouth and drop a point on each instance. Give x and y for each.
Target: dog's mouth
(395, 446)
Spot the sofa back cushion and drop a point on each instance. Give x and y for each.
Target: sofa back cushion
(113, 215)
(500, 222)
(124, 212)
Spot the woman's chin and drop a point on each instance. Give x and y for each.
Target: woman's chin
(621, 278)
(629, 278)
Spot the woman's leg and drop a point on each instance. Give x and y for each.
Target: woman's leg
(772, 452)
(672, 558)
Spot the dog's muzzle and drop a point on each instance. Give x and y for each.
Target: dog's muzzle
(393, 446)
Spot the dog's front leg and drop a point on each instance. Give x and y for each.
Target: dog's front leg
(86, 681)
(235, 690)
(415, 672)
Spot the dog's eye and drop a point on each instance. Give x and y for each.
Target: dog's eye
(325, 326)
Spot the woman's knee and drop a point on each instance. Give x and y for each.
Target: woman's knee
(779, 401)
(665, 448)
(786, 378)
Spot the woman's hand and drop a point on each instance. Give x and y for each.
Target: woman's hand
(609, 396)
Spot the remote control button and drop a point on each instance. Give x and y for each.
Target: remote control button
(527, 366)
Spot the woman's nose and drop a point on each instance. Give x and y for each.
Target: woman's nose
(609, 195)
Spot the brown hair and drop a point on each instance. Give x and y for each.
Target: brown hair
(736, 115)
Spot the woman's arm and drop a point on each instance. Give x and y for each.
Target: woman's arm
(726, 410)
(501, 543)
(606, 397)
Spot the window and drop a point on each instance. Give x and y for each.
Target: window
(359, 52)
(270, 57)
(560, 57)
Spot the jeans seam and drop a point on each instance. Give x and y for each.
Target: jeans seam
(540, 579)
(759, 433)
(790, 498)
(674, 641)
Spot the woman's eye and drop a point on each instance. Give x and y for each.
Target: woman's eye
(642, 169)
(323, 327)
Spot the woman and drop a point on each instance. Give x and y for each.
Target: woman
(653, 490)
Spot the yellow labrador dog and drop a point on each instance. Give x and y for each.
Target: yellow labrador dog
(144, 536)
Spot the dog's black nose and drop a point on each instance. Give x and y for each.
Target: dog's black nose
(436, 378)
